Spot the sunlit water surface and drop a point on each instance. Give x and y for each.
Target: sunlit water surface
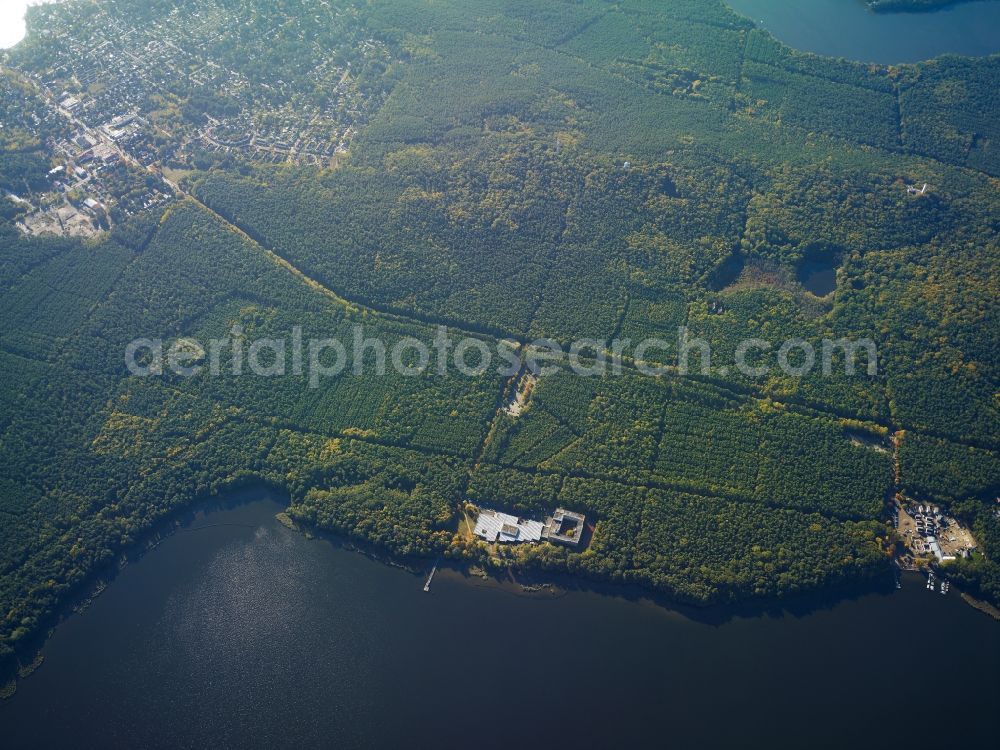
(847, 28)
(237, 632)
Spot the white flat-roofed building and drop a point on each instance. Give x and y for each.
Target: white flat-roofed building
(564, 526)
(935, 547)
(494, 526)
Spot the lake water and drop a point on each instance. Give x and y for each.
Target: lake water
(817, 271)
(847, 28)
(821, 280)
(12, 20)
(236, 632)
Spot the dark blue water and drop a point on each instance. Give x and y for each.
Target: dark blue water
(818, 274)
(236, 632)
(847, 28)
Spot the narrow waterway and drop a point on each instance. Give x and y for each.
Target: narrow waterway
(236, 632)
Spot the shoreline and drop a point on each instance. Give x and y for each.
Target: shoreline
(886, 7)
(983, 606)
(533, 583)
(25, 660)
(15, 16)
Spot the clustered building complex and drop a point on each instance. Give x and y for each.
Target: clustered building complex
(563, 526)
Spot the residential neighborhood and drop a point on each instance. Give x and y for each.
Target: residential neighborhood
(115, 109)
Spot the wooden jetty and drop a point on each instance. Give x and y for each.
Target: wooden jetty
(427, 586)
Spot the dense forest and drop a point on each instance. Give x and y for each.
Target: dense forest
(559, 170)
